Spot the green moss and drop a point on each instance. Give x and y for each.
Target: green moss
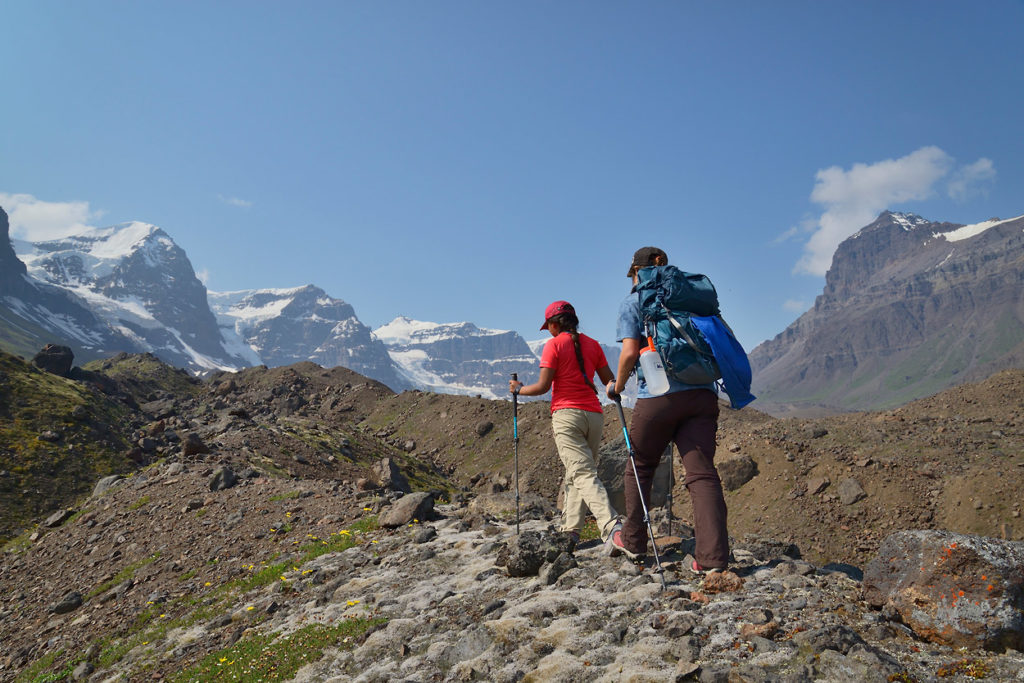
(35, 672)
(144, 500)
(122, 575)
(143, 375)
(57, 473)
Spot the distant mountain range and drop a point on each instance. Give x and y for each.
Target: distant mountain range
(910, 307)
(129, 287)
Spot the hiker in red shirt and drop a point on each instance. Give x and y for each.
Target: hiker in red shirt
(568, 364)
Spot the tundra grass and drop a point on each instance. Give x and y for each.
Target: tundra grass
(273, 656)
(154, 623)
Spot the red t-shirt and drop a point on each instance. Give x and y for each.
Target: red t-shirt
(569, 389)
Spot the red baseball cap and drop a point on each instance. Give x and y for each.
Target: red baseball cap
(554, 309)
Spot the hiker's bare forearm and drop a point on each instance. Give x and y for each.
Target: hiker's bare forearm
(627, 361)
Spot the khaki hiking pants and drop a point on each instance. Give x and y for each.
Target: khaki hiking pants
(578, 437)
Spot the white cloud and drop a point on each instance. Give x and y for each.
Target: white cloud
(968, 181)
(795, 305)
(36, 220)
(203, 275)
(853, 198)
(235, 201)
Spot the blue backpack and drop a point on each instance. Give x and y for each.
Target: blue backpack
(680, 313)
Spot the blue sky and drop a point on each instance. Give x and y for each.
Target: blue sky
(454, 161)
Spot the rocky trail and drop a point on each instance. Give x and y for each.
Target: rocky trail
(319, 584)
(308, 523)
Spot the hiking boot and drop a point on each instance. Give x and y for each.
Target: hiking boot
(615, 540)
(609, 549)
(697, 569)
(574, 536)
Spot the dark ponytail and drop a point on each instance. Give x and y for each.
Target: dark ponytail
(568, 322)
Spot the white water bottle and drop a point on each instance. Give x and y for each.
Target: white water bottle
(654, 369)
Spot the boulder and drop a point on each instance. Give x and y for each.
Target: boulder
(550, 571)
(222, 478)
(954, 589)
(526, 553)
(850, 491)
(502, 506)
(106, 483)
(817, 485)
(736, 472)
(612, 462)
(58, 518)
(193, 445)
(54, 359)
(390, 477)
(69, 603)
(408, 509)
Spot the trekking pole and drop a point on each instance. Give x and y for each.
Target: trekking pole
(671, 484)
(647, 517)
(515, 442)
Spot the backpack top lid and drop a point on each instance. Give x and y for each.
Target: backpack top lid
(677, 290)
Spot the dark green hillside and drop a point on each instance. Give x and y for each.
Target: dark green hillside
(57, 437)
(19, 336)
(144, 377)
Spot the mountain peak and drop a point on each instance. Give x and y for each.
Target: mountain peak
(10, 266)
(404, 330)
(888, 219)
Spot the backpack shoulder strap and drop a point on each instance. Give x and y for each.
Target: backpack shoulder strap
(681, 329)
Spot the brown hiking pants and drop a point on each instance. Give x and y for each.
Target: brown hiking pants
(690, 420)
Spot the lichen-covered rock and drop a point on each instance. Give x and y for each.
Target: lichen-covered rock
(526, 553)
(955, 589)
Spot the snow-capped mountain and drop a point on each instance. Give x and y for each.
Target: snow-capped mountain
(129, 287)
(33, 313)
(456, 358)
(461, 358)
(285, 326)
(142, 285)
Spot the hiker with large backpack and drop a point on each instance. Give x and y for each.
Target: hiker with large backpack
(666, 314)
(567, 366)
